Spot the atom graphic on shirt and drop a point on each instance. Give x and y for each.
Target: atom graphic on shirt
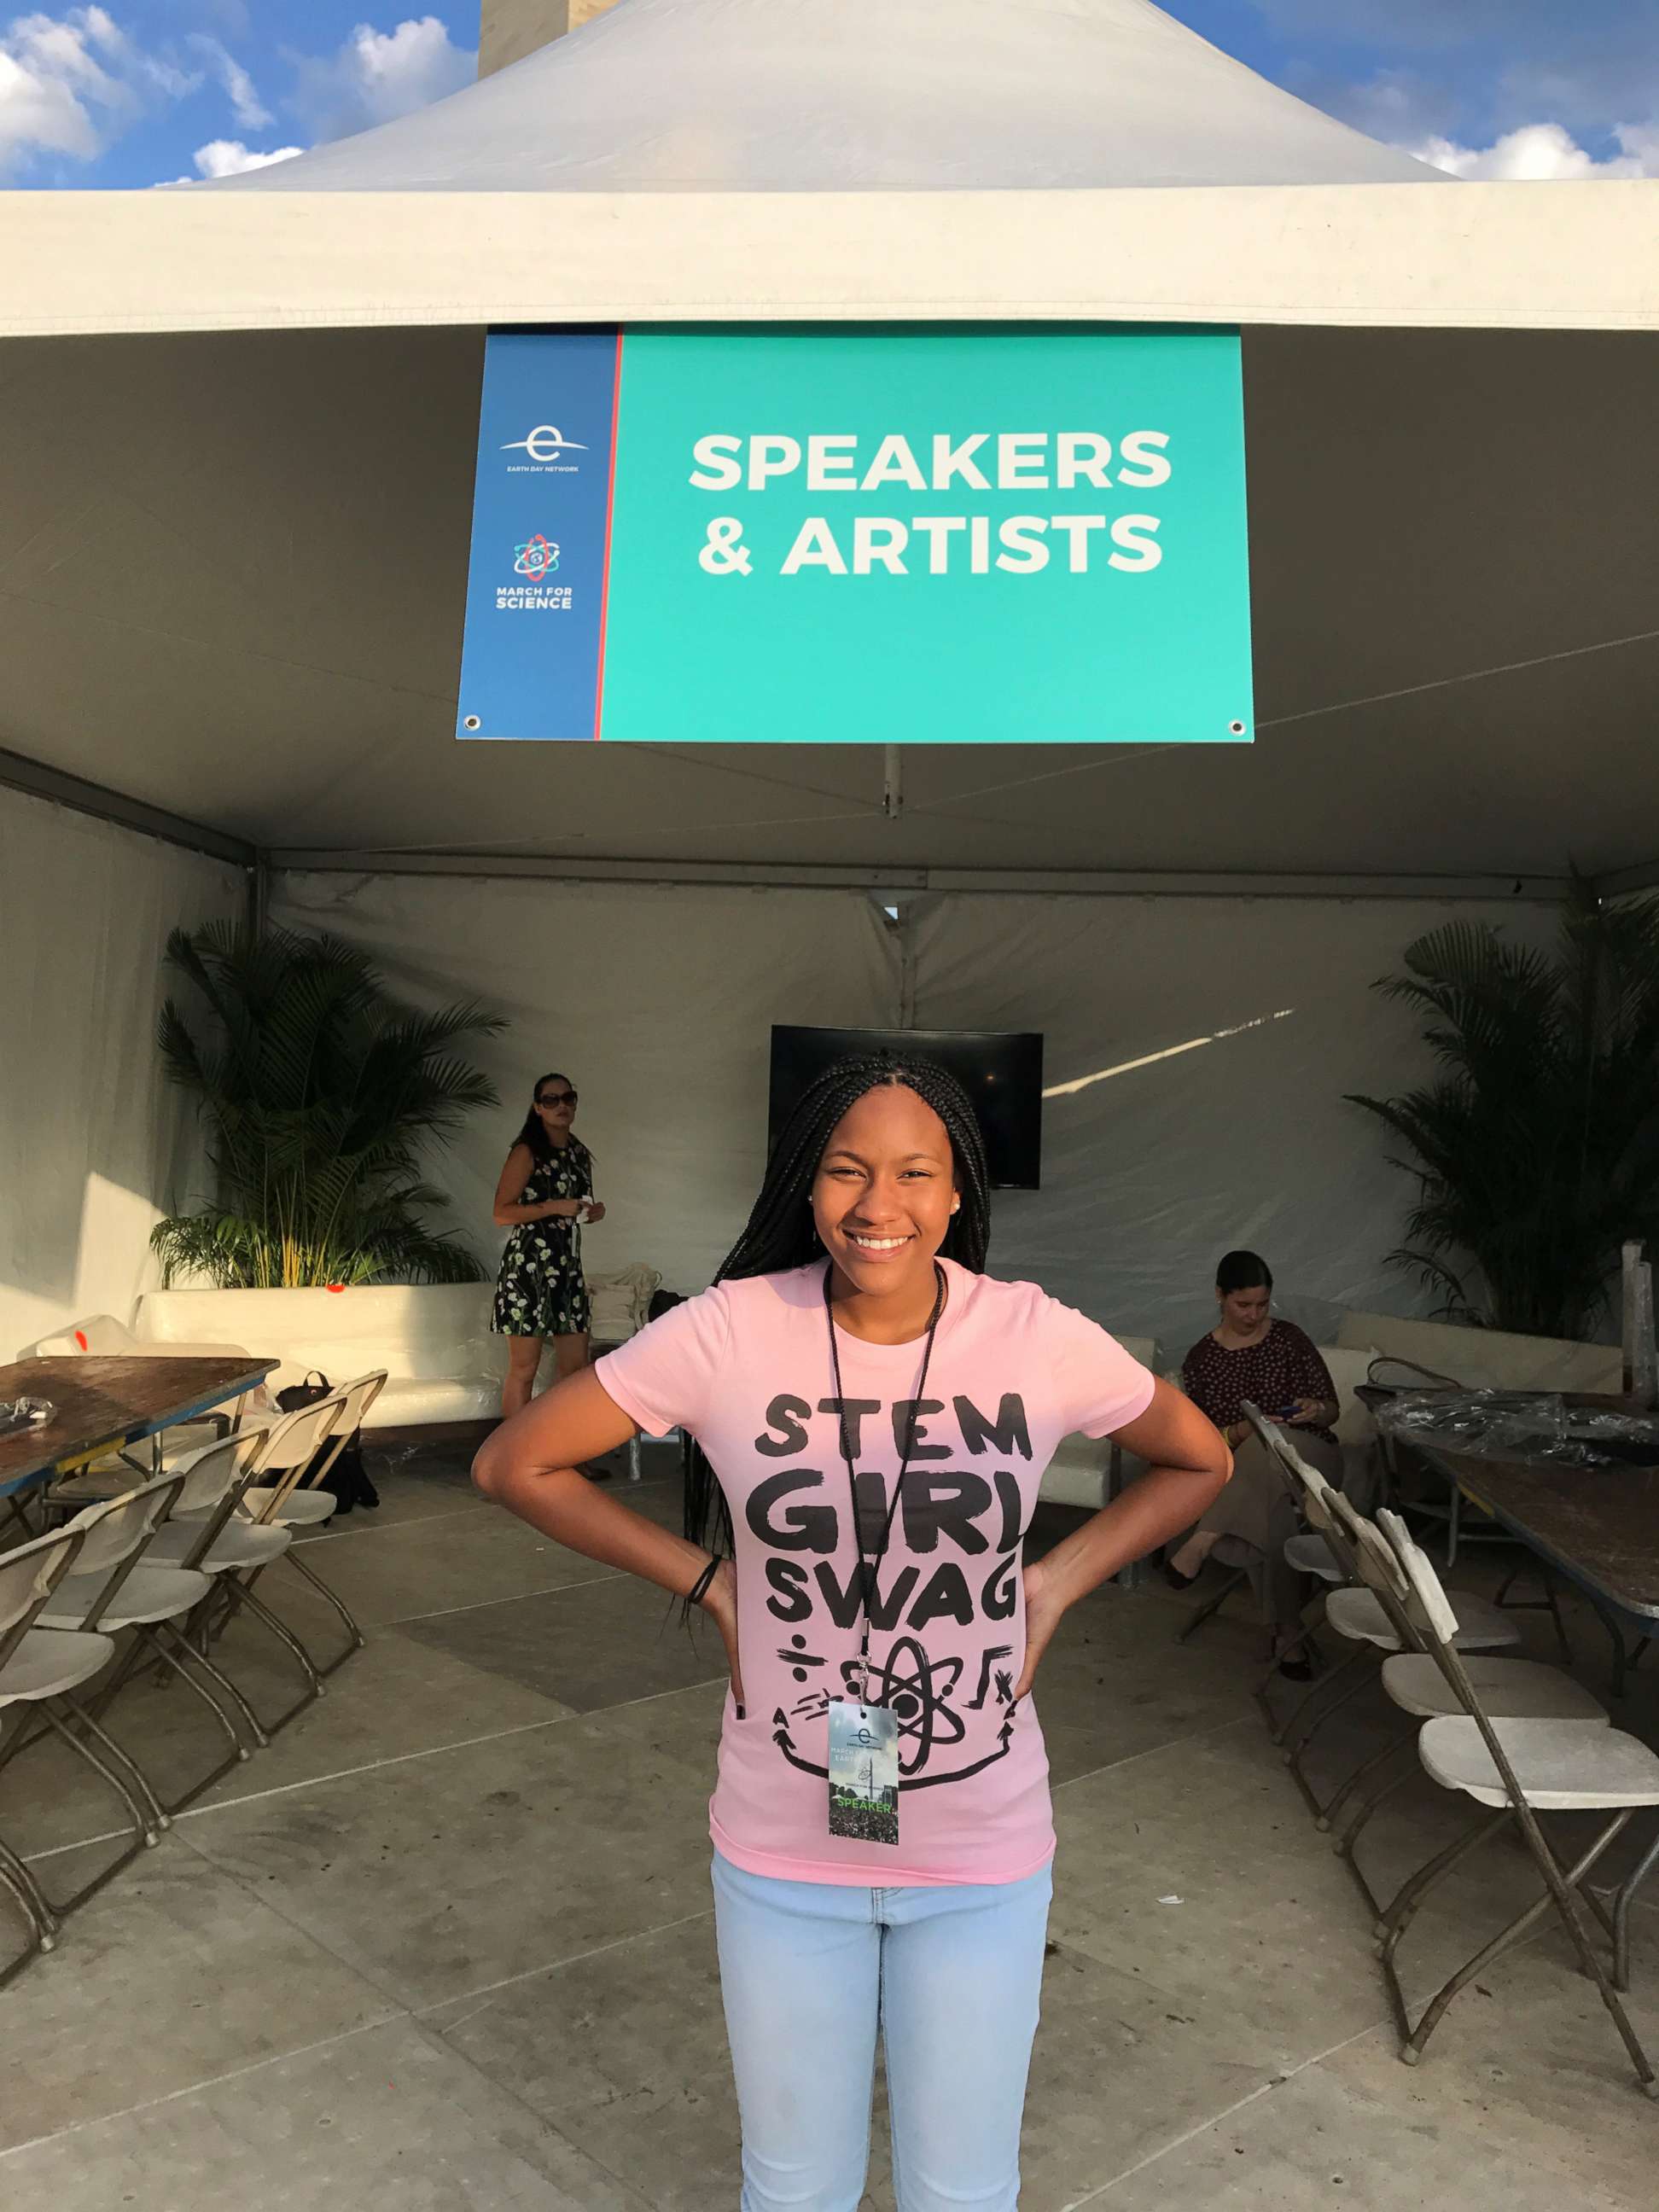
(916, 1691)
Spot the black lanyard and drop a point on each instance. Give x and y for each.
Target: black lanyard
(869, 1569)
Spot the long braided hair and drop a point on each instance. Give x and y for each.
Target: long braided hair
(779, 1233)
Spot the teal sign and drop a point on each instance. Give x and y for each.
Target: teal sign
(846, 535)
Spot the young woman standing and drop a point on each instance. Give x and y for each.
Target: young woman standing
(876, 1414)
(546, 1191)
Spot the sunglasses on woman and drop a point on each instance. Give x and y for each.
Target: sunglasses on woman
(557, 1098)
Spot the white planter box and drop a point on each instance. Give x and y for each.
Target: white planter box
(442, 1363)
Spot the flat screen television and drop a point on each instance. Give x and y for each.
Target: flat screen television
(1002, 1071)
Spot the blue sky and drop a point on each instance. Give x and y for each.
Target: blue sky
(144, 92)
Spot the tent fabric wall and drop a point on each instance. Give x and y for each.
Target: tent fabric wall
(96, 1144)
(656, 1002)
(1152, 1171)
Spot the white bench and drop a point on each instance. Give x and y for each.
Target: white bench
(442, 1361)
(433, 1338)
(1487, 1358)
(1086, 1471)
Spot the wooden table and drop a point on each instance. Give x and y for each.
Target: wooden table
(1597, 1526)
(103, 1404)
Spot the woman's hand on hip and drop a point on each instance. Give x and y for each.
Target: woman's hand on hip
(719, 1602)
(1044, 1606)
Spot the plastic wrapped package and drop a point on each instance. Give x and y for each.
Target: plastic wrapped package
(1523, 1425)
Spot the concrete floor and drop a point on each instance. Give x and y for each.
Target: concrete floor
(447, 1947)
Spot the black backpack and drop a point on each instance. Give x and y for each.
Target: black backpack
(347, 1481)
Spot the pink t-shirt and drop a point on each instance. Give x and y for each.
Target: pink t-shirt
(746, 1368)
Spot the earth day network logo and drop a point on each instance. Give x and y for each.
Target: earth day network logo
(545, 453)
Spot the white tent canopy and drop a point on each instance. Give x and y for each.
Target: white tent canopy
(238, 441)
(760, 159)
(874, 96)
(235, 563)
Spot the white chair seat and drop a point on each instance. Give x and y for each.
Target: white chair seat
(1358, 1615)
(96, 1484)
(1510, 1689)
(301, 1508)
(239, 1544)
(1312, 1555)
(48, 1662)
(1562, 1766)
(148, 1595)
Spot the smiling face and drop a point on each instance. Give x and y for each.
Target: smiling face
(885, 1190)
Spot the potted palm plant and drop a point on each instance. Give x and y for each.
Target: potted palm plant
(1535, 1148)
(321, 1094)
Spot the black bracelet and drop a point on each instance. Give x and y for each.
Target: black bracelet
(699, 1589)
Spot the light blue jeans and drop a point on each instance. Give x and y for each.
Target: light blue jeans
(952, 1974)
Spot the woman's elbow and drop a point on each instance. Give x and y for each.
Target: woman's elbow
(501, 1218)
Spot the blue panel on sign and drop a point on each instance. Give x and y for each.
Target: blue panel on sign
(534, 652)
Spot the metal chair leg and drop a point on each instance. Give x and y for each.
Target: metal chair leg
(1398, 1915)
(1561, 1890)
(245, 1711)
(31, 1899)
(1211, 1606)
(238, 1751)
(339, 1605)
(145, 1836)
(315, 1686)
(129, 1766)
(1294, 1756)
(1621, 1906)
(1345, 1843)
(1325, 1819)
(1310, 1696)
(146, 1823)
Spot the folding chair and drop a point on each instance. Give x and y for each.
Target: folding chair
(1412, 1680)
(1366, 1610)
(287, 1492)
(112, 1586)
(1516, 1769)
(41, 1670)
(205, 1533)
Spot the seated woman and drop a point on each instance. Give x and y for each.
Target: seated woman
(1249, 1355)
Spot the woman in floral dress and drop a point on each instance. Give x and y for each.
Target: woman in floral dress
(545, 1194)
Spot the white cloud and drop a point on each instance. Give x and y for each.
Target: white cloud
(1544, 152)
(249, 110)
(377, 76)
(71, 83)
(228, 157)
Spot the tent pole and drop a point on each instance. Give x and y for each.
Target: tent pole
(258, 893)
(39, 781)
(892, 790)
